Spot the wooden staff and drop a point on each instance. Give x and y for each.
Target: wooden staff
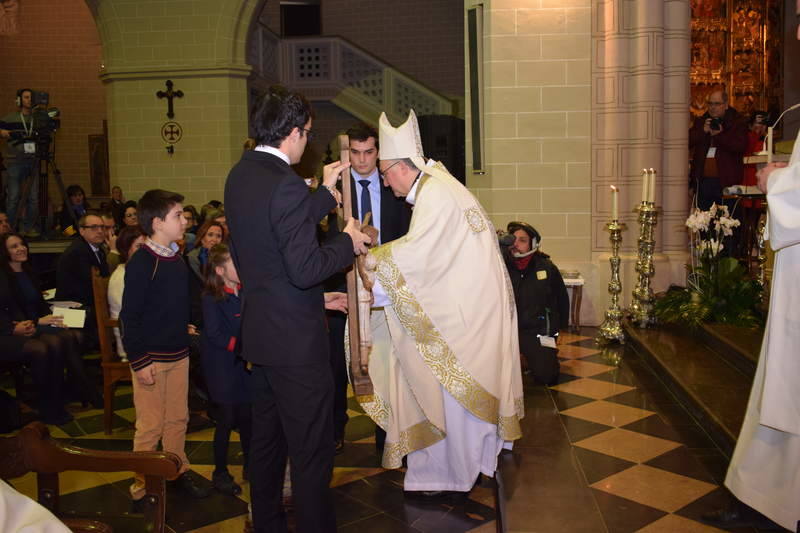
(359, 346)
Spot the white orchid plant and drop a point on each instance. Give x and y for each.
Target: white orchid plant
(718, 288)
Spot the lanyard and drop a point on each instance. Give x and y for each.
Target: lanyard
(25, 126)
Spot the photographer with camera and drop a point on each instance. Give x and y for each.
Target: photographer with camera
(717, 142)
(19, 155)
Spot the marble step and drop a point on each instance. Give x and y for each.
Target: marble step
(711, 388)
(739, 346)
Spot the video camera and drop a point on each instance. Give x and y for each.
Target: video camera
(46, 120)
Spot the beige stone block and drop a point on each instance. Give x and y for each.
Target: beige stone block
(566, 46)
(579, 225)
(541, 21)
(199, 183)
(159, 170)
(579, 20)
(566, 98)
(496, 177)
(568, 249)
(502, 21)
(515, 4)
(504, 47)
(513, 151)
(566, 3)
(165, 23)
(579, 124)
(579, 175)
(129, 171)
(179, 185)
(567, 150)
(220, 170)
(541, 73)
(500, 220)
(145, 9)
(579, 72)
(548, 225)
(138, 53)
(566, 200)
(542, 124)
(512, 200)
(542, 175)
(189, 170)
(500, 125)
(515, 100)
(501, 74)
(196, 22)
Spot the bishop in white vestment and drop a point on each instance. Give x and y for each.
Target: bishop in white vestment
(445, 357)
(765, 469)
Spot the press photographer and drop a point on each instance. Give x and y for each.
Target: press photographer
(27, 133)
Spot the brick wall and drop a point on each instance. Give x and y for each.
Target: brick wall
(58, 51)
(422, 38)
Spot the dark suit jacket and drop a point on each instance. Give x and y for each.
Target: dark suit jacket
(74, 272)
(395, 213)
(395, 219)
(731, 146)
(272, 220)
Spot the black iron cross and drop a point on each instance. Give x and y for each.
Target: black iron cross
(169, 94)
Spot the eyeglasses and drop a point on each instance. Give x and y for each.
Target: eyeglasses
(383, 172)
(130, 215)
(716, 103)
(94, 227)
(309, 134)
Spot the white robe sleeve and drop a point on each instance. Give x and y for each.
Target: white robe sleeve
(783, 198)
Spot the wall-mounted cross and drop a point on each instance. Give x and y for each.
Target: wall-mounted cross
(169, 94)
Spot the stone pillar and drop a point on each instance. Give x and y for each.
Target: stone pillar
(200, 46)
(640, 102)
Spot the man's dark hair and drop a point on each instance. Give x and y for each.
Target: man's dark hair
(277, 113)
(82, 220)
(361, 132)
(125, 239)
(155, 203)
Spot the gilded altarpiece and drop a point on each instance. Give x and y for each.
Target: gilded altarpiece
(737, 45)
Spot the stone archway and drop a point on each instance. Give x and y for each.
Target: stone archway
(201, 46)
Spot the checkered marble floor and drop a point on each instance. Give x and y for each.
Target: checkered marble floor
(642, 463)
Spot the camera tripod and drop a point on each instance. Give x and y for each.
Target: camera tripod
(44, 163)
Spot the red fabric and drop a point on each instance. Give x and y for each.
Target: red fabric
(522, 262)
(231, 344)
(231, 291)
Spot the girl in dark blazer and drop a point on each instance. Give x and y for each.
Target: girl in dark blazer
(226, 375)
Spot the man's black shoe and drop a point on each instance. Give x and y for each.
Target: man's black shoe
(224, 483)
(187, 484)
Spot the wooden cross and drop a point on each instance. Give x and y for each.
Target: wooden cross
(169, 94)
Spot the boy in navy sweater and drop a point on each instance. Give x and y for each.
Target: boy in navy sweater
(154, 322)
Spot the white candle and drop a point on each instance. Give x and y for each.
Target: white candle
(614, 204)
(645, 179)
(651, 187)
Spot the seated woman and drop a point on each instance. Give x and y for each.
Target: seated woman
(76, 205)
(130, 216)
(128, 242)
(28, 305)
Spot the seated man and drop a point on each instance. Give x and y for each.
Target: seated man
(74, 270)
(5, 225)
(542, 302)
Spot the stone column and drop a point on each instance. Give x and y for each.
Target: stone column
(640, 102)
(200, 46)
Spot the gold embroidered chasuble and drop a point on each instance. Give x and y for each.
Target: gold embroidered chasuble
(451, 325)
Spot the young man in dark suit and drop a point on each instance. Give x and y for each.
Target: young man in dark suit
(390, 216)
(272, 221)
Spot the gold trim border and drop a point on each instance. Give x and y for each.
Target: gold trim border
(438, 355)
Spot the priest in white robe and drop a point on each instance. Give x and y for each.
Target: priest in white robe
(765, 468)
(445, 356)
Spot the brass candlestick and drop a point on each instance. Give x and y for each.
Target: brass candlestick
(643, 298)
(611, 328)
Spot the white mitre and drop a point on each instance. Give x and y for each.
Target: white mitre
(402, 142)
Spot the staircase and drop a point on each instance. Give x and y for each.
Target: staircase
(710, 371)
(335, 70)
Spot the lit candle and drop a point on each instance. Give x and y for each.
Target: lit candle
(614, 204)
(651, 187)
(645, 179)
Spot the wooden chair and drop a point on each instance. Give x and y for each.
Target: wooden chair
(114, 370)
(33, 450)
